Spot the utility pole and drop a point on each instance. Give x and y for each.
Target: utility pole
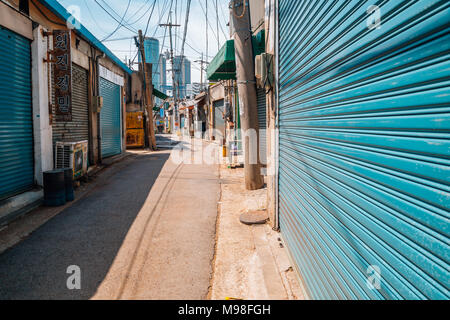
(202, 62)
(245, 73)
(147, 79)
(174, 89)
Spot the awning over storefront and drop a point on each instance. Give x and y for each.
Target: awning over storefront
(223, 66)
(159, 94)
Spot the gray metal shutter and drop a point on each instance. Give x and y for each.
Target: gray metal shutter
(261, 106)
(219, 121)
(16, 127)
(110, 119)
(78, 128)
(364, 179)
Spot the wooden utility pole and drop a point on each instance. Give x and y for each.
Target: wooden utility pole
(147, 71)
(246, 82)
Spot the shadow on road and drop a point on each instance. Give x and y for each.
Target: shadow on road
(88, 234)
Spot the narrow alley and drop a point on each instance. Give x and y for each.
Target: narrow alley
(147, 232)
(225, 152)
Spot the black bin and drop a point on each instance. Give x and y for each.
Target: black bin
(68, 180)
(54, 188)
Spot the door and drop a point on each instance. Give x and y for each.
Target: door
(16, 127)
(110, 116)
(219, 121)
(364, 113)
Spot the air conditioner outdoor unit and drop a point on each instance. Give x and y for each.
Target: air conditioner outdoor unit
(72, 155)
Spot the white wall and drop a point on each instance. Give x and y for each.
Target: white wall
(42, 131)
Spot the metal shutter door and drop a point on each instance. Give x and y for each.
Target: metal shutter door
(365, 147)
(261, 106)
(16, 128)
(78, 128)
(219, 121)
(110, 118)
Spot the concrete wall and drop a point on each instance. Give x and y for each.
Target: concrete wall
(257, 10)
(15, 21)
(136, 103)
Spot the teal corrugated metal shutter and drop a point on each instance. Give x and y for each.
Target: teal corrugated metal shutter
(261, 106)
(16, 128)
(110, 118)
(364, 121)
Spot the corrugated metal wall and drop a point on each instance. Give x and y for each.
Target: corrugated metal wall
(110, 116)
(262, 121)
(365, 147)
(16, 127)
(78, 128)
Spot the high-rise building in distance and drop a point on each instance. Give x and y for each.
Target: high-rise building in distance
(158, 61)
(182, 67)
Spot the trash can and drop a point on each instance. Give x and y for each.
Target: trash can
(54, 188)
(68, 181)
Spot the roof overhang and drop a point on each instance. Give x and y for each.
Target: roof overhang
(159, 94)
(55, 7)
(223, 66)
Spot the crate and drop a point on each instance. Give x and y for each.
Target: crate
(135, 120)
(135, 138)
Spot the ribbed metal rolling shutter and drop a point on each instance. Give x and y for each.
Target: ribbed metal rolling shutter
(261, 106)
(364, 121)
(16, 128)
(219, 121)
(78, 128)
(110, 119)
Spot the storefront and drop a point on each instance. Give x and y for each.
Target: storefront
(364, 147)
(16, 125)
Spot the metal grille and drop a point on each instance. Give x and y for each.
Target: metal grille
(78, 128)
(365, 146)
(16, 127)
(63, 155)
(261, 106)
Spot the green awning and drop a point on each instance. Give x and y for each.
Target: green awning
(223, 66)
(159, 94)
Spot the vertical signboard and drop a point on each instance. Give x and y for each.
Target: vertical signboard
(62, 74)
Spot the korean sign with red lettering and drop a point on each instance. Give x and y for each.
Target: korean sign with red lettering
(62, 75)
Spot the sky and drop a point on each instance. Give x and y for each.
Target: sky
(120, 40)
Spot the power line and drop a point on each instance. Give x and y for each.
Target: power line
(96, 1)
(120, 23)
(150, 16)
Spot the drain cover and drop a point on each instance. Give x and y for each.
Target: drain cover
(254, 217)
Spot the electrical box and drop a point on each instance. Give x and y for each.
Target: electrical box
(97, 103)
(264, 70)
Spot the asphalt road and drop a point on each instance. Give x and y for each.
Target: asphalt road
(147, 232)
